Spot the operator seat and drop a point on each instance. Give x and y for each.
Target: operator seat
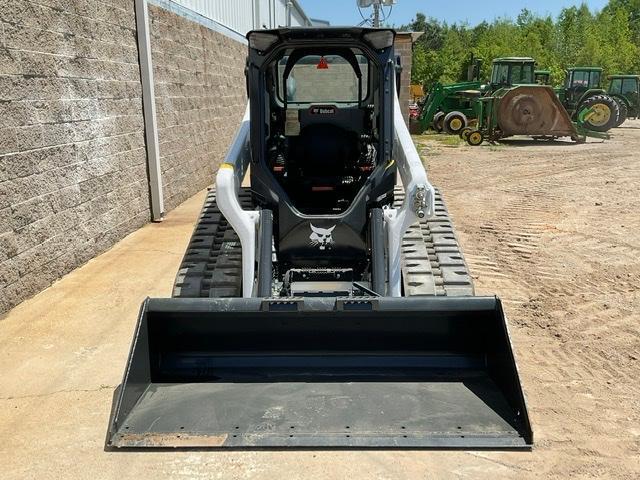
(324, 150)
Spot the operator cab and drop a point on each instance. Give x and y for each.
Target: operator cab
(579, 80)
(321, 146)
(322, 141)
(626, 85)
(509, 71)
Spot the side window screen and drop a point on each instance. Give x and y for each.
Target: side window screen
(629, 86)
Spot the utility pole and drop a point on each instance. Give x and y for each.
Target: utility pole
(377, 6)
(376, 14)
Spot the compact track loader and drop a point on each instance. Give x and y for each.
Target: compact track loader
(326, 305)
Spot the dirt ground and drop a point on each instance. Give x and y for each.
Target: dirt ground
(552, 228)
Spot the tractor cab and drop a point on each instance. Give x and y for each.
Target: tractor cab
(510, 71)
(582, 93)
(581, 80)
(626, 90)
(542, 77)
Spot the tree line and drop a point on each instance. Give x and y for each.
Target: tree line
(609, 38)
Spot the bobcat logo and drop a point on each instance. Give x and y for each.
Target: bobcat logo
(321, 237)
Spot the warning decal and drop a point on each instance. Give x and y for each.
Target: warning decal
(322, 64)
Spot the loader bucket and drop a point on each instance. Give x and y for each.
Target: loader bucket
(532, 110)
(320, 372)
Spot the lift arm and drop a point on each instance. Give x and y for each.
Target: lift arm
(419, 200)
(228, 181)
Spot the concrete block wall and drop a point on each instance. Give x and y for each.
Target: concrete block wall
(72, 154)
(200, 100)
(73, 177)
(403, 46)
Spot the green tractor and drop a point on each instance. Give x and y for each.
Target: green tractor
(625, 89)
(581, 92)
(450, 107)
(529, 109)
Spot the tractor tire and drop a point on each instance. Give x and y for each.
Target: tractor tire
(605, 113)
(475, 138)
(624, 111)
(464, 133)
(454, 122)
(438, 122)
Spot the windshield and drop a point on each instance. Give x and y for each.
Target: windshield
(324, 79)
(512, 73)
(580, 79)
(585, 79)
(522, 74)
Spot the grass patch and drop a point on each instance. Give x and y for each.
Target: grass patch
(449, 140)
(442, 139)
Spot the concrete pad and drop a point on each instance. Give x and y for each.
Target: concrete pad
(62, 354)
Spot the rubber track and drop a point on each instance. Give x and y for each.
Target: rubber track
(212, 264)
(432, 262)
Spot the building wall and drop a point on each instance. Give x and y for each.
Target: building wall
(200, 100)
(72, 154)
(73, 177)
(404, 46)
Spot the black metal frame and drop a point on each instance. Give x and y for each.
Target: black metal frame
(291, 227)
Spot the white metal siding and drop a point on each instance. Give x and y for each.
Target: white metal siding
(265, 12)
(297, 20)
(239, 15)
(234, 14)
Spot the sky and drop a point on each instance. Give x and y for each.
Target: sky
(345, 12)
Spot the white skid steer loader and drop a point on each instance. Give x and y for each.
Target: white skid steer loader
(324, 305)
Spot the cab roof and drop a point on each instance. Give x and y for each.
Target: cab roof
(377, 38)
(514, 60)
(624, 76)
(588, 69)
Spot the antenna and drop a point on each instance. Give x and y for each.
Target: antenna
(378, 7)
